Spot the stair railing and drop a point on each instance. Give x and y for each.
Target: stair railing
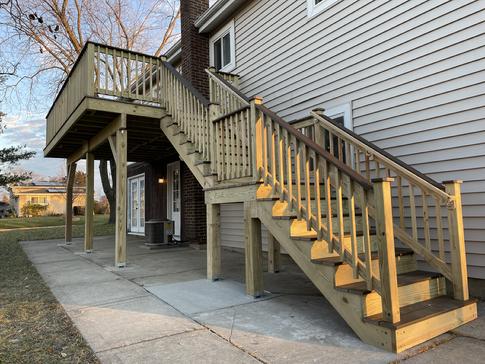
(225, 93)
(188, 108)
(428, 215)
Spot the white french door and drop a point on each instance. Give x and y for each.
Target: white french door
(136, 216)
(173, 197)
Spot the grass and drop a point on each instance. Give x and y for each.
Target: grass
(34, 328)
(41, 221)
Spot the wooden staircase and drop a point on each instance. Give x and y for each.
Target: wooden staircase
(333, 213)
(354, 218)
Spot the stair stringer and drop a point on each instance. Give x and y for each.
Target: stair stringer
(347, 305)
(183, 149)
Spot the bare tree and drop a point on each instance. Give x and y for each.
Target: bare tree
(48, 36)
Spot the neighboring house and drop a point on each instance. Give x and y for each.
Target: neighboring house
(5, 209)
(49, 194)
(403, 84)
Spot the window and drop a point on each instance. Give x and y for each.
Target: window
(317, 6)
(223, 50)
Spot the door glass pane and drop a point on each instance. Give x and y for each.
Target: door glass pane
(226, 50)
(175, 191)
(134, 206)
(142, 202)
(218, 55)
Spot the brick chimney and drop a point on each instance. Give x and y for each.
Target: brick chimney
(195, 46)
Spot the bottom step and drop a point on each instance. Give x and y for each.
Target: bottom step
(427, 319)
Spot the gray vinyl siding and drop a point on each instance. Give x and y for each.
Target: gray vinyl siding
(413, 71)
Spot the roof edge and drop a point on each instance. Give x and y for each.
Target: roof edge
(217, 14)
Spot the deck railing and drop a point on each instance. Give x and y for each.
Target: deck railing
(425, 212)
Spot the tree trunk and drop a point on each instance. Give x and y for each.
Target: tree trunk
(109, 188)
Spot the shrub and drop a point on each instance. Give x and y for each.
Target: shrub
(34, 210)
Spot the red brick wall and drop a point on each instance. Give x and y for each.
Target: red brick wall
(195, 46)
(193, 208)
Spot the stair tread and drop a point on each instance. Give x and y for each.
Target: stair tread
(313, 235)
(293, 215)
(403, 279)
(421, 311)
(335, 261)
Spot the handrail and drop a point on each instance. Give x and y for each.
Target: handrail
(406, 169)
(232, 113)
(310, 143)
(186, 83)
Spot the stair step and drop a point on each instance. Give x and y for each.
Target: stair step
(312, 235)
(335, 261)
(404, 279)
(421, 311)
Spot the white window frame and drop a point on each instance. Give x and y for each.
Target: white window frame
(314, 9)
(228, 29)
(344, 110)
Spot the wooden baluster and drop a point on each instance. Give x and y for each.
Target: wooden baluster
(245, 141)
(348, 155)
(340, 214)
(298, 178)
(128, 73)
(115, 72)
(377, 168)
(457, 241)
(328, 200)
(306, 158)
(317, 179)
(150, 74)
(412, 205)
(272, 135)
(367, 239)
(222, 149)
(106, 70)
(98, 68)
(427, 237)
(387, 255)
(122, 80)
(367, 166)
(289, 168)
(439, 228)
(340, 149)
(331, 142)
(357, 160)
(400, 202)
(281, 162)
(233, 147)
(353, 228)
(265, 151)
(136, 75)
(228, 149)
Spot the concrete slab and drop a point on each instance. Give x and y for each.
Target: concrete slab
(458, 350)
(170, 278)
(77, 296)
(292, 329)
(129, 322)
(200, 346)
(202, 295)
(476, 328)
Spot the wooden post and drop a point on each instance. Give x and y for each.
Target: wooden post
(274, 252)
(90, 70)
(253, 253)
(385, 247)
(214, 272)
(89, 210)
(256, 138)
(457, 241)
(214, 113)
(71, 173)
(121, 182)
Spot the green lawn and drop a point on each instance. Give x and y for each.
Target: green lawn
(31, 222)
(34, 327)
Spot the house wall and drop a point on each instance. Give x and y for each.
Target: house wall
(413, 72)
(56, 203)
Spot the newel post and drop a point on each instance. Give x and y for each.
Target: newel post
(91, 70)
(256, 137)
(385, 247)
(214, 113)
(163, 82)
(457, 241)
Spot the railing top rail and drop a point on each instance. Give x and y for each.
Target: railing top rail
(228, 86)
(122, 50)
(317, 148)
(411, 173)
(246, 107)
(187, 84)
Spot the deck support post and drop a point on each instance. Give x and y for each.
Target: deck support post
(253, 252)
(457, 241)
(386, 249)
(89, 210)
(214, 271)
(121, 184)
(257, 125)
(71, 173)
(274, 253)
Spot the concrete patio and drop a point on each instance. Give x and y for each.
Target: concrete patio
(160, 308)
